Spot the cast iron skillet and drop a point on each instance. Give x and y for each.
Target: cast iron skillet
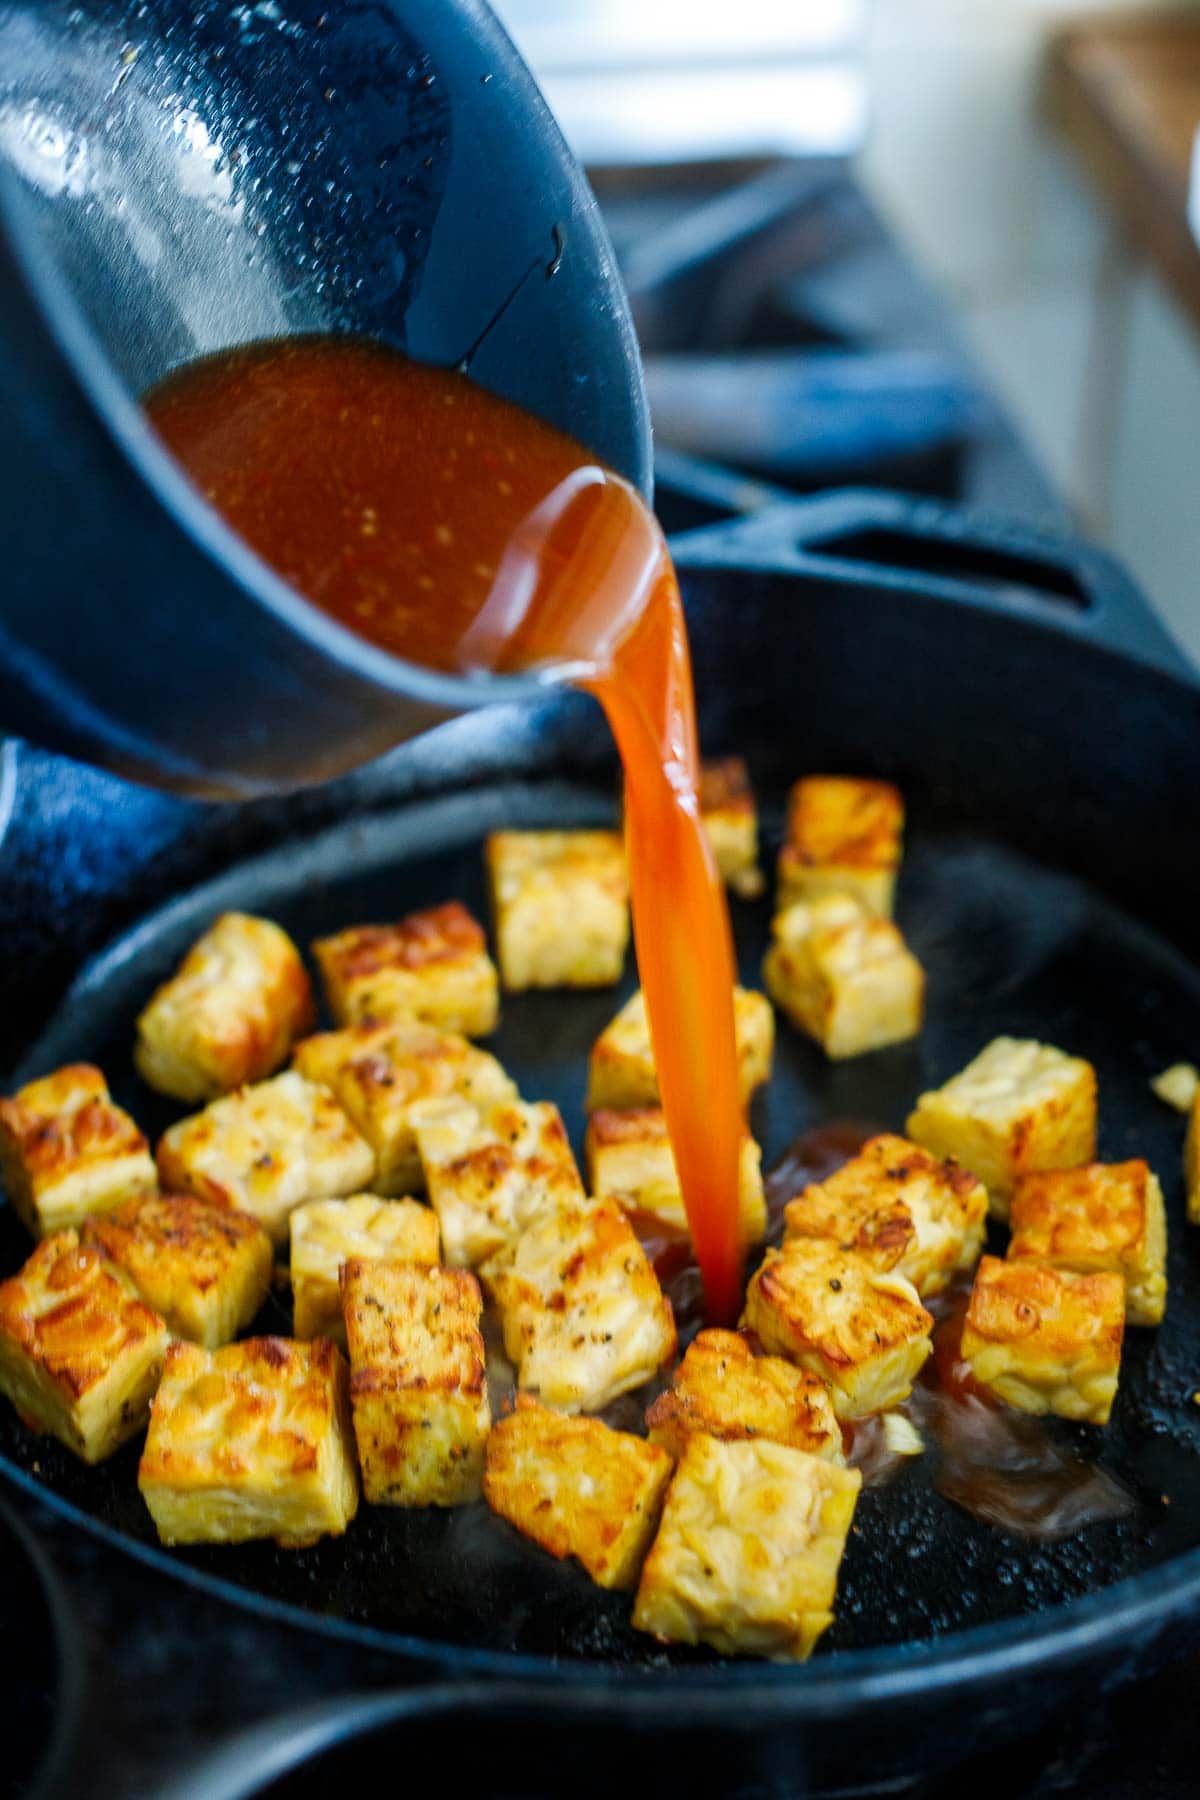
(1047, 736)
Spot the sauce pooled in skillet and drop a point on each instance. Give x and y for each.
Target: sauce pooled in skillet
(455, 530)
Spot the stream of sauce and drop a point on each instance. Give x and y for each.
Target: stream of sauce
(455, 530)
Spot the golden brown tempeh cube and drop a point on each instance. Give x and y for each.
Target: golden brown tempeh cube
(417, 1381)
(432, 966)
(748, 1552)
(1101, 1216)
(844, 976)
(622, 1074)
(1018, 1106)
(266, 1149)
(229, 1013)
(577, 1488)
(327, 1233)
(583, 1315)
(1191, 1162)
(1046, 1340)
(843, 837)
(723, 1389)
(251, 1441)
(629, 1159)
(379, 1073)
(490, 1173)
(730, 818)
(204, 1267)
(560, 905)
(860, 1329)
(900, 1208)
(80, 1354)
(67, 1151)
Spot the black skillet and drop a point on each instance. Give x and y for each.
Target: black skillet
(1047, 737)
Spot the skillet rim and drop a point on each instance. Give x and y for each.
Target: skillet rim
(839, 1682)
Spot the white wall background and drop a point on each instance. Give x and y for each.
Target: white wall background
(1096, 363)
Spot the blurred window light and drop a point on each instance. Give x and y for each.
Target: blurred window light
(656, 81)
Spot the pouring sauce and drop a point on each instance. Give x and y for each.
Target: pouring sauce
(449, 527)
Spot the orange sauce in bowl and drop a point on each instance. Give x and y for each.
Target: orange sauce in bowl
(453, 529)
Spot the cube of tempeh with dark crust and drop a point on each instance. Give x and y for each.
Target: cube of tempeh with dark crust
(229, 1014)
(80, 1353)
(560, 906)
(730, 819)
(1045, 1340)
(490, 1173)
(622, 1071)
(583, 1315)
(577, 1488)
(432, 966)
(1102, 1216)
(723, 1389)
(66, 1150)
(378, 1073)
(266, 1149)
(327, 1233)
(901, 1208)
(1018, 1106)
(844, 976)
(417, 1381)
(206, 1268)
(251, 1441)
(629, 1158)
(860, 1329)
(748, 1552)
(843, 837)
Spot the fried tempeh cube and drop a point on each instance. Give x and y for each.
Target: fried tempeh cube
(730, 818)
(629, 1159)
(1191, 1162)
(417, 1381)
(379, 1072)
(66, 1150)
(229, 1014)
(900, 1208)
(327, 1233)
(560, 905)
(583, 1315)
(1100, 1216)
(577, 1488)
(843, 837)
(844, 976)
(490, 1173)
(748, 1552)
(266, 1149)
(206, 1268)
(1017, 1107)
(622, 1074)
(80, 1354)
(251, 1441)
(433, 966)
(1046, 1340)
(862, 1330)
(723, 1389)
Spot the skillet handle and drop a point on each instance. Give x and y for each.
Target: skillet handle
(970, 557)
(511, 1738)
